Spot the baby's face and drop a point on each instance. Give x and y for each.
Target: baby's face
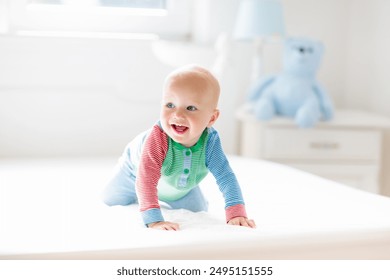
(187, 109)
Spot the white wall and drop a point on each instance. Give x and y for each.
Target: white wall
(368, 56)
(368, 60)
(90, 96)
(69, 97)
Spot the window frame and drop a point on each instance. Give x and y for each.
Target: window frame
(175, 24)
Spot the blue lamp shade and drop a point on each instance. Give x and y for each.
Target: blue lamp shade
(259, 18)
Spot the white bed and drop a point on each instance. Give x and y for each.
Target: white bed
(51, 209)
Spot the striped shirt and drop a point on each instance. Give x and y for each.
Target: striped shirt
(168, 170)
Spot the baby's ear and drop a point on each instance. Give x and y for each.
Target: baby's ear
(213, 118)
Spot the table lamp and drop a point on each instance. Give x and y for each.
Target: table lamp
(256, 21)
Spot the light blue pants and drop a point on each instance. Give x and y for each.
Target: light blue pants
(121, 191)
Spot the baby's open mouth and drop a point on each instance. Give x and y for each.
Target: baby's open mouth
(179, 128)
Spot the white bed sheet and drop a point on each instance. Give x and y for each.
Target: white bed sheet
(51, 209)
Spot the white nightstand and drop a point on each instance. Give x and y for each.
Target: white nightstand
(347, 149)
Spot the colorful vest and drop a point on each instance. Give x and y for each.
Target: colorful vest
(183, 169)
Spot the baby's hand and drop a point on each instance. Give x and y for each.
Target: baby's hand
(164, 226)
(242, 221)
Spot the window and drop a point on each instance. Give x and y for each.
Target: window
(165, 18)
(136, 6)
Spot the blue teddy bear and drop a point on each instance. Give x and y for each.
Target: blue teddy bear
(294, 92)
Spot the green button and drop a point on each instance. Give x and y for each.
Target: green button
(188, 152)
(186, 171)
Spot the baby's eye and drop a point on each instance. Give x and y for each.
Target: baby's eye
(191, 108)
(170, 105)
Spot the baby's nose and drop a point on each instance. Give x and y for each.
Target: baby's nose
(179, 114)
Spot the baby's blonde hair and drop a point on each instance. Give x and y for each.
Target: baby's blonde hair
(201, 79)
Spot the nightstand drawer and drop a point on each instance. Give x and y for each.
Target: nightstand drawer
(285, 143)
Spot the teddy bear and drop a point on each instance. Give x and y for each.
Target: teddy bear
(294, 92)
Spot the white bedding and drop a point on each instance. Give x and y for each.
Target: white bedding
(51, 209)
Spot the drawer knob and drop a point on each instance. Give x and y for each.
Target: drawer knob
(324, 145)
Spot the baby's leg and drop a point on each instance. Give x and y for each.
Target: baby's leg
(193, 201)
(120, 190)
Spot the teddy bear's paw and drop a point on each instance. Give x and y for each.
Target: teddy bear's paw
(327, 113)
(306, 118)
(264, 110)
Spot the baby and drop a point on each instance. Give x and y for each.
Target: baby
(167, 162)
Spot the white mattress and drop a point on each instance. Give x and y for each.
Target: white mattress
(51, 209)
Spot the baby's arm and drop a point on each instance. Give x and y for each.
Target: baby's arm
(148, 175)
(227, 182)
